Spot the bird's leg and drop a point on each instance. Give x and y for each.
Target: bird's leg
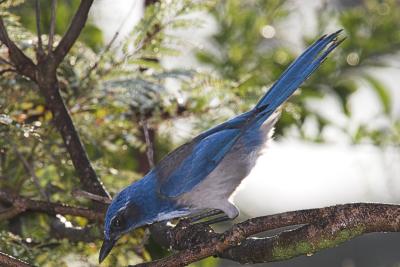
(228, 210)
(203, 215)
(208, 217)
(219, 219)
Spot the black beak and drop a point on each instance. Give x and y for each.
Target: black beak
(106, 248)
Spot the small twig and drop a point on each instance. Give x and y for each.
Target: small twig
(39, 32)
(100, 57)
(140, 247)
(5, 62)
(91, 196)
(113, 39)
(10, 261)
(7, 70)
(52, 26)
(149, 144)
(142, 45)
(10, 213)
(31, 173)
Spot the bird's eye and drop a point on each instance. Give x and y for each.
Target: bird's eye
(117, 223)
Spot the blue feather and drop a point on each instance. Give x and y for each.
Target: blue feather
(296, 73)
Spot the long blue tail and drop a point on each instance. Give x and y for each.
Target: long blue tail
(296, 74)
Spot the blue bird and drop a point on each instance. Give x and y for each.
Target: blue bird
(204, 173)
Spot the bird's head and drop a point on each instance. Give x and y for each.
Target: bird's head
(125, 213)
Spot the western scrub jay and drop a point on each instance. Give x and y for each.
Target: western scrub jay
(203, 173)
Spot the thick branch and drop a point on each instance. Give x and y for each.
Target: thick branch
(22, 63)
(324, 228)
(49, 87)
(73, 32)
(10, 213)
(44, 74)
(7, 260)
(22, 204)
(334, 226)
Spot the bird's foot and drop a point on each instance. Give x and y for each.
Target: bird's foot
(219, 219)
(204, 215)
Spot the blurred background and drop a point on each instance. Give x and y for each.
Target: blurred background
(150, 75)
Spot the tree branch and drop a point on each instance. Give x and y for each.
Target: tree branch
(40, 52)
(48, 85)
(7, 70)
(5, 61)
(23, 204)
(28, 168)
(100, 57)
(149, 143)
(52, 26)
(73, 32)
(7, 260)
(10, 213)
(322, 228)
(333, 226)
(22, 63)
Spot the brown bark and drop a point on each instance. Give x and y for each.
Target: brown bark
(10, 261)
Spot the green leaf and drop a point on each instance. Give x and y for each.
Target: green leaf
(381, 91)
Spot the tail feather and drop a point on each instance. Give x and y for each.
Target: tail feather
(296, 74)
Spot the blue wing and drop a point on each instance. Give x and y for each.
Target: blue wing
(188, 165)
(205, 156)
